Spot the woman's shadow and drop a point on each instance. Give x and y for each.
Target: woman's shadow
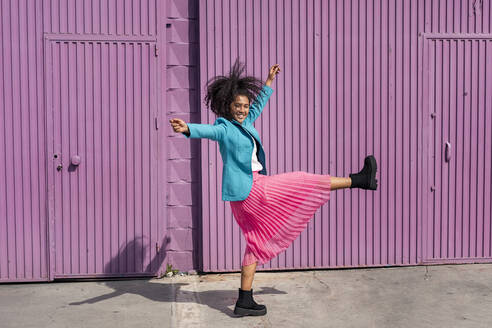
(219, 300)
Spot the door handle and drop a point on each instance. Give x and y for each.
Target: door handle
(447, 151)
(75, 160)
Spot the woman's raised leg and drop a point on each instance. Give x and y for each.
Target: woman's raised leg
(334, 183)
(365, 179)
(340, 183)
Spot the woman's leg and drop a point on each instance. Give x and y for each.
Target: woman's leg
(340, 183)
(365, 179)
(245, 304)
(247, 275)
(334, 183)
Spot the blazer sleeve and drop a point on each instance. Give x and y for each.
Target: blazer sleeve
(259, 103)
(215, 132)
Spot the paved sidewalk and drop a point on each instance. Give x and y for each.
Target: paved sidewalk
(432, 296)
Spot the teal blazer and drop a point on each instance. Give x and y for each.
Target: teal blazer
(236, 148)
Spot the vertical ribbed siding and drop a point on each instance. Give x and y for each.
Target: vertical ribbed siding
(24, 226)
(103, 100)
(351, 85)
(23, 198)
(103, 17)
(460, 89)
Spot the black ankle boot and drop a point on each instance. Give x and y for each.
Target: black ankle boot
(366, 178)
(246, 305)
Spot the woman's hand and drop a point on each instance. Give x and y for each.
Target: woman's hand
(274, 70)
(179, 126)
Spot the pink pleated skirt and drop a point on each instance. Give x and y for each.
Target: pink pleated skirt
(277, 210)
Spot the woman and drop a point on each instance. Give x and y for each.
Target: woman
(271, 210)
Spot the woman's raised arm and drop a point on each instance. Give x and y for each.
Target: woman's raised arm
(274, 70)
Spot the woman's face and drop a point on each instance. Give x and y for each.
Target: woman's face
(240, 108)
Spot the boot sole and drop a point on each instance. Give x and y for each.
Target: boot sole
(244, 312)
(373, 185)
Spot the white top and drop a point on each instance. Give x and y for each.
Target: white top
(255, 163)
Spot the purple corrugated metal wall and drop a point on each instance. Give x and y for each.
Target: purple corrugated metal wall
(458, 84)
(23, 197)
(346, 65)
(101, 81)
(351, 85)
(104, 204)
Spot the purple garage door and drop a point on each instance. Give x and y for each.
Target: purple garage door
(338, 98)
(351, 85)
(458, 103)
(102, 146)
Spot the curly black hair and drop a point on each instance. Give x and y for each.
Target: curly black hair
(222, 90)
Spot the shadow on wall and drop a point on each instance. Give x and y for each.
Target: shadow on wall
(132, 254)
(162, 291)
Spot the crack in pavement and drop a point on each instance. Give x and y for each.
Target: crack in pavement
(321, 281)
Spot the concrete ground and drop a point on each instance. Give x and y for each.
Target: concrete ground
(432, 296)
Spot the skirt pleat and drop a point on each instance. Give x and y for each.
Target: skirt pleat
(277, 210)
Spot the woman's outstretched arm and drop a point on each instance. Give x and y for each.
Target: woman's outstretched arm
(215, 132)
(179, 126)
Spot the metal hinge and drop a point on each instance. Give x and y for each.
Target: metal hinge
(156, 121)
(156, 51)
(157, 248)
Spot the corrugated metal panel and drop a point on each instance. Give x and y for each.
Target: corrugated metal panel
(23, 198)
(109, 17)
(459, 71)
(102, 97)
(350, 86)
(24, 251)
